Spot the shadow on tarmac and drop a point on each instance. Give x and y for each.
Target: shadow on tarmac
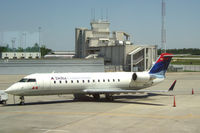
(117, 99)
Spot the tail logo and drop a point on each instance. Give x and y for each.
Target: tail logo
(161, 65)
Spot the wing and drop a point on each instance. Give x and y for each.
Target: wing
(118, 90)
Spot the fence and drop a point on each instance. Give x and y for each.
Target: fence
(195, 68)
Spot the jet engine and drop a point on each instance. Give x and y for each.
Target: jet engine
(141, 77)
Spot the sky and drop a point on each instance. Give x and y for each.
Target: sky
(139, 18)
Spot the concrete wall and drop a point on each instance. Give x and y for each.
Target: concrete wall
(114, 53)
(80, 42)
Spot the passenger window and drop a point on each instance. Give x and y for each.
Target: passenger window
(103, 80)
(118, 80)
(93, 81)
(31, 80)
(65, 81)
(60, 82)
(71, 81)
(54, 82)
(77, 81)
(113, 80)
(108, 80)
(98, 80)
(88, 81)
(83, 81)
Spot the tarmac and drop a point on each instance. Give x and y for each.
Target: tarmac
(128, 113)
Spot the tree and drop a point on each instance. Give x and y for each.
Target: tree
(44, 50)
(5, 48)
(35, 48)
(20, 49)
(192, 51)
(2, 49)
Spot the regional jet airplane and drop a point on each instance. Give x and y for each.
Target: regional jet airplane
(80, 84)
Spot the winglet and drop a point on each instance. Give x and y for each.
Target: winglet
(172, 86)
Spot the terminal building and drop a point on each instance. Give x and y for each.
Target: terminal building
(20, 55)
(118, 51)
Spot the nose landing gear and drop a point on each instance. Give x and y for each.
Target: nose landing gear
(22, 100)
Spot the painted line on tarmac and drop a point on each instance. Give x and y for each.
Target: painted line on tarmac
(52, 130)
(187, 116)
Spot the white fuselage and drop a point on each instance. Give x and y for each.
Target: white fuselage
(72, 83)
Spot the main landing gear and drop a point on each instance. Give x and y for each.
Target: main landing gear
(22, 100)
(96, 97)
(109, 97)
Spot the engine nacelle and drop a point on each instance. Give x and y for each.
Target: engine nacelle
(141, 77)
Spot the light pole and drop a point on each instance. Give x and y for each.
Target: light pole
(39, 31)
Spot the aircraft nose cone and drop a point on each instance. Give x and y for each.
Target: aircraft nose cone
(11, 90)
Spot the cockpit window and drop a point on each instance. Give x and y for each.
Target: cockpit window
(23, 80)
(27, 80)
(31, 80)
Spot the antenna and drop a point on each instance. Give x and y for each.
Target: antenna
(163, 30)
(106, 14)
(24, 33)
(13, 43)
(92, 14)
(39, 37)
(101, 14)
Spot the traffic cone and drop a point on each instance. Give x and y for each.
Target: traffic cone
(174, 102)
(192, 91)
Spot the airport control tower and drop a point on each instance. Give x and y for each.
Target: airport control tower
(115, 47)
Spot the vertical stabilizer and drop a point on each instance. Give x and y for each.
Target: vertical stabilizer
(161, 65)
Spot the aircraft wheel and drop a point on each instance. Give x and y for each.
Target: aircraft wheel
(109, 97)
(96, 96)
(4, 102)
(22, 102)
(79, 96)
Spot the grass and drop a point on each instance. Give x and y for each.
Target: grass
(185, 62)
